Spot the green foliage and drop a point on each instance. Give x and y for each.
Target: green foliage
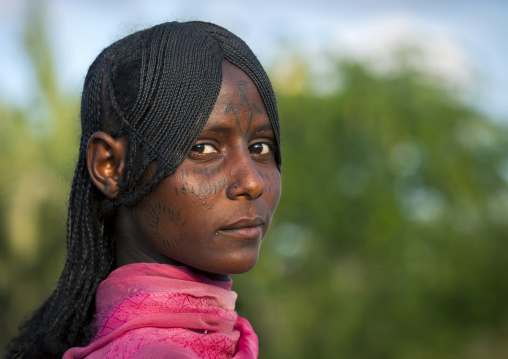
(390, 237)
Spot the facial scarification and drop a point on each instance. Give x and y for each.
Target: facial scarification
(214, 211)
(244, 101)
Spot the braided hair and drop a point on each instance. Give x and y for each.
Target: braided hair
(157, 87)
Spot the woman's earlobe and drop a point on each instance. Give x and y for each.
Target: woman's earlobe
(105, 161)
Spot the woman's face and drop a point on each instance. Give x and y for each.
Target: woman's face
(214, 211)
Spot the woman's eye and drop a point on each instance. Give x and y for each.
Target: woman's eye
(260, 148)
(203, 148)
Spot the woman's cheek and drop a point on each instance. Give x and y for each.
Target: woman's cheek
(198, 181)
(272, 183)
(202, 185)
(163, 221)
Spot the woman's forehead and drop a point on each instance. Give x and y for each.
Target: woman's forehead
(239, 101)
(236, 86)
(232, 74)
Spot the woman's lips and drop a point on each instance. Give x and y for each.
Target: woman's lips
(250, 228)
(243, 233)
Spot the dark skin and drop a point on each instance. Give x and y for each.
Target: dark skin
(214, 211)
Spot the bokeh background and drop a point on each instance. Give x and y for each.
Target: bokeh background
(390, 240)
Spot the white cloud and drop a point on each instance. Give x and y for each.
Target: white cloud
(378, 39)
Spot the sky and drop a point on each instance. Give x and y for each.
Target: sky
(463, 42)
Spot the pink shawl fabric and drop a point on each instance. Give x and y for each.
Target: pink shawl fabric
(148, 310)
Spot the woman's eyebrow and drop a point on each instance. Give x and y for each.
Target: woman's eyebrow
(226, 130)
(263, 128)
(221, 130)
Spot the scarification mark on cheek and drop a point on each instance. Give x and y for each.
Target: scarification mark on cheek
(272, 190)
(202, 199)
(271, 176)
(212, 188)
(154, 212)
(183, 190)
(272, 183)
(174, 181)
(157, 214)
(223, 183)
(204, 188)
(157, 210)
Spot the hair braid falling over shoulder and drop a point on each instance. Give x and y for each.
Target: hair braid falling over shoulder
(157, 87)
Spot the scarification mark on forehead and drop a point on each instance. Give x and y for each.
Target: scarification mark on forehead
(242, 88)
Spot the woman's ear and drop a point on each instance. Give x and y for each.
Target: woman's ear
(105, 157)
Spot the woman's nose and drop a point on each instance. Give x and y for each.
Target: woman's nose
(245, 180)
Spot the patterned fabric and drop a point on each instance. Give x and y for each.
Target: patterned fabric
(148, 310)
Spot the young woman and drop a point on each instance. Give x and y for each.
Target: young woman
(176, 183)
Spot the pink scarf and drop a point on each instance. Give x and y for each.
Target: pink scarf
(148, 310)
